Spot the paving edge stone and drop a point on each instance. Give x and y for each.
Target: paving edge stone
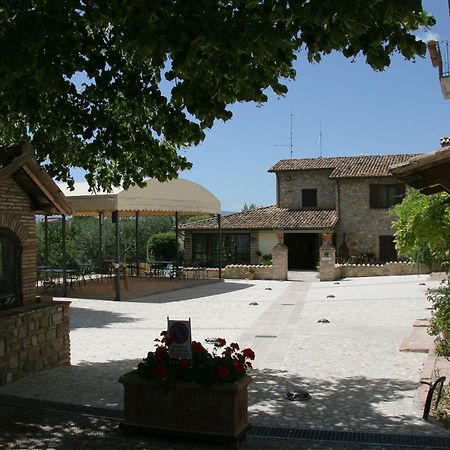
(426, 376)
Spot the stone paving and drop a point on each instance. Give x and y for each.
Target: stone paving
(351, 366)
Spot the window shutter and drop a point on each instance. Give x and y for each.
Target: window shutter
(374, 196)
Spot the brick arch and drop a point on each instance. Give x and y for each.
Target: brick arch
(11, 223)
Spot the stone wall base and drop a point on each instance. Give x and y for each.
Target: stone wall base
(251, 272)
(374, 270)
(233, 271)
(33, 338)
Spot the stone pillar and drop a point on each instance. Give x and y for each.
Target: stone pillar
(280, 260)
(188, 248)
(327, 262)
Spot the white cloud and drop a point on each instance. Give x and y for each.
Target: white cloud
(429, 36)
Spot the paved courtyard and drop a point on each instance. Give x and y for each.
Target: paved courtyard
(351, 366)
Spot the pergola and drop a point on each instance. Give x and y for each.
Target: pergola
(176, 198)
(430, 173)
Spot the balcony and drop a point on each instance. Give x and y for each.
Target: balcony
(439, 53)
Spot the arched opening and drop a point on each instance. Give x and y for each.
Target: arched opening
(10, 269)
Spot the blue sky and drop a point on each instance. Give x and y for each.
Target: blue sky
(400, 110)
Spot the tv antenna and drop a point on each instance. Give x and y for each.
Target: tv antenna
(291, 140)
(320, 138)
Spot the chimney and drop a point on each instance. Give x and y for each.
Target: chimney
(445, 141)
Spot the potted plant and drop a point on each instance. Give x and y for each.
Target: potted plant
(250, 273)
(327, 236)
(204, 397)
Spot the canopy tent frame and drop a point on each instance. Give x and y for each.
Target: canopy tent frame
(176, 198)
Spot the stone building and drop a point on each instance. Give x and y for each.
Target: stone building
(34, 332)
(349, 196)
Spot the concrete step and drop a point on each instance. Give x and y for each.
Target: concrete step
(418, 341)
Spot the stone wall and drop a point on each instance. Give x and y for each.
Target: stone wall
(290, 185)
(188, 247)
(374, 270)
(16, 215)
(361, 224)
(240, 272)
(33, 338)
(232, 271)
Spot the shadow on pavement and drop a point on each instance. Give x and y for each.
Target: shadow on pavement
(352, 403)
(92, 318)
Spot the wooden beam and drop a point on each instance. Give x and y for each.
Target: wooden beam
(47, 193)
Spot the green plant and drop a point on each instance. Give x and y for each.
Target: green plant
(442, 412)
(266, 260)
(440, 324)
(225, 364)
(162, 246)
(423, 220)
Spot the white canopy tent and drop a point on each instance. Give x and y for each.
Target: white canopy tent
(179, 196)
(171, 198)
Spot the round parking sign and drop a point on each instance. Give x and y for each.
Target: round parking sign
(178, 333)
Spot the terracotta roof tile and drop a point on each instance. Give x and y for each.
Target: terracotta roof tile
(345, 166)
(270, 217)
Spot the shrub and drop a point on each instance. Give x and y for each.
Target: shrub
(162, 246)
(440, 324)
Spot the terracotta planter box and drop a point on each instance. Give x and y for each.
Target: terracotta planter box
(218, 412)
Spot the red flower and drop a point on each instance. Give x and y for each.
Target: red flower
(160, 352)
(222, 372)
(184, 363)
(220, 342)
(234, 346)
(160, 372)
(227, 352)
(249, 353)
(238, 366)
(197, 347)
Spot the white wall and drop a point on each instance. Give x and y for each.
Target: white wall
(267, 241)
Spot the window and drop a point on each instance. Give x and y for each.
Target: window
(386, 195)
(235, 249)
(309, 198)
(387, 251)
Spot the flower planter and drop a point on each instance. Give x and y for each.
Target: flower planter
(218, 412)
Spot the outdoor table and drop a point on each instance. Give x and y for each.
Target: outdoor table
(54, 276)
(162, 269)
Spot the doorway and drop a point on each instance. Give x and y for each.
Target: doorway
(303, 250)
(10, 292)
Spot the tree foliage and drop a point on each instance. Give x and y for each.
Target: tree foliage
(248, 207)
(162, 246)
(421, 222)
(82, 238)
(159, 73)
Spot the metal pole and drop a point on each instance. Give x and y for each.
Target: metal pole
(46, 239)
(116, 216)
(100, 240)
(220, 245)
(176, 238)
(64, 254)
(137, 243)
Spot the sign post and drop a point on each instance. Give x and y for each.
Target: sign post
(179, 333)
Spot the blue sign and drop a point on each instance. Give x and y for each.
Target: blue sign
(178, 333)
